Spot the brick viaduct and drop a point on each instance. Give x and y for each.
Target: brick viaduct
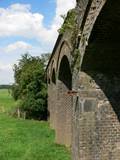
(83, 77)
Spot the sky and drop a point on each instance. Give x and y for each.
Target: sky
(28, 26)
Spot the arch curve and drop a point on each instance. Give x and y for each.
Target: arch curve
(65, 49)
(100, 82)
(102, 52)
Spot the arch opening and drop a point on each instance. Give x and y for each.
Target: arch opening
(102, 53)
(102, 58)
(65, 73)
(48, 81)
(100, 79)
(53, 76)
(52, 97)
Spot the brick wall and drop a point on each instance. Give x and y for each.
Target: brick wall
(89, 119)
(97, 118)
(64, 114)
(52, 104)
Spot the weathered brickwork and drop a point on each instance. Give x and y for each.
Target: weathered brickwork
(96, 118)
(84, 82)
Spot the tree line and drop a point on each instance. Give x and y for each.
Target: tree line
(5, 86)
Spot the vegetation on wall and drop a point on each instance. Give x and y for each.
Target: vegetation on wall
(69, 21)
(76, 60)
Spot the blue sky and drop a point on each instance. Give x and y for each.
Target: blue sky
(40, 6)
(28, 26)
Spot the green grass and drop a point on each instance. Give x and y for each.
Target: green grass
(6, 101)
(27, 139)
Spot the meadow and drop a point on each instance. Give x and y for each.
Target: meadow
(26, 139)
(6, 101)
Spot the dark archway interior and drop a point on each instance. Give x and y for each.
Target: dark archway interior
(53, 76)
(48, 80)
(65, 73)
(102, 55)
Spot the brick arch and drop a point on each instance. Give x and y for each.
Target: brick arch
(96, 95)
(52, 89)
(65, 49)
(64, 73)
(48, 76)
(93, 10)
(53, 67)
(96, 8)
(64, 103)
(97, 133)
(105, 34)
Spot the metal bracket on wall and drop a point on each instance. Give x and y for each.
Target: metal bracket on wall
(72, 92)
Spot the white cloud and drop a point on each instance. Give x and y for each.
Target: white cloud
(18, 20)
(6, 73)
(18, 46)
(5, 66)
(20, 8)
(62, 8)
(21, 47)
(64, 5)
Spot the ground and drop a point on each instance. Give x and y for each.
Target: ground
(26, 139)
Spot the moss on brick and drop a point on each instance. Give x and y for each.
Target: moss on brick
(76, 59)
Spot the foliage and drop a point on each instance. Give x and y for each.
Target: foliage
(76, 59)
(15, 92)
(28, 140)
(30, 86)
(45, 58)
(69, 21)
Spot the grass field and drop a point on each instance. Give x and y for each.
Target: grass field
(27, 139)
(6, 101)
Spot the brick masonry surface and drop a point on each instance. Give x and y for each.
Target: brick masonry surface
(84, 81)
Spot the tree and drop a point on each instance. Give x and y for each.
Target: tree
(45, 58)
(30, 87)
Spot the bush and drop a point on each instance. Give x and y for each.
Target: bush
(30, 86)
